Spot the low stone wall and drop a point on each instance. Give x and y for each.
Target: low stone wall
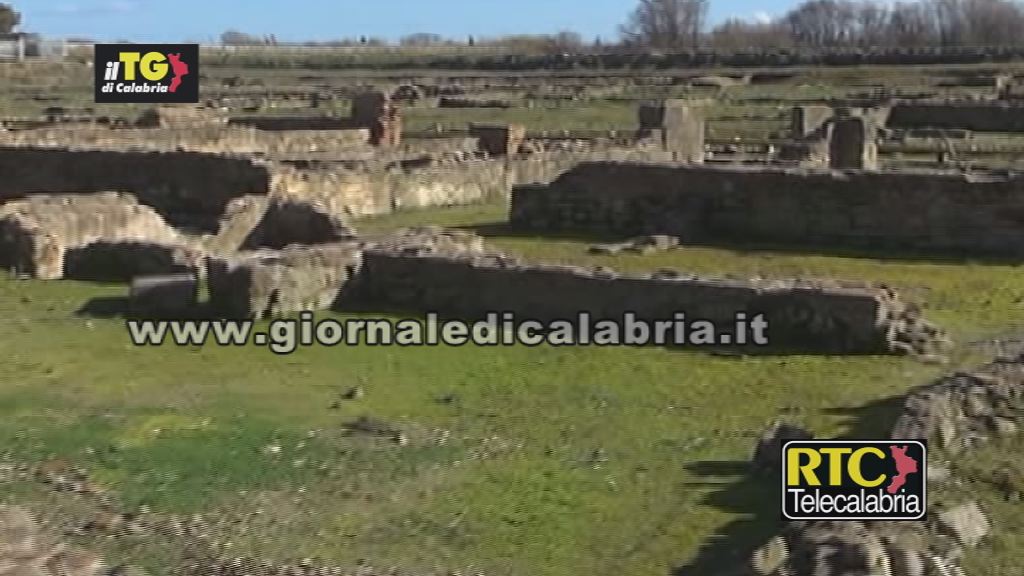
(268, 283)
(941, 212)
(188, 188)
(963, 409)
(206, 138)
(274, 123)
(37, 233)
(983, 116)
(286, 221)
(121, 261)
(805, 316)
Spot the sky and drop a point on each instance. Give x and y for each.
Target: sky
(295, 20)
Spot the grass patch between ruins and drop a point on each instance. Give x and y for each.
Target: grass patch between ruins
(544, 461)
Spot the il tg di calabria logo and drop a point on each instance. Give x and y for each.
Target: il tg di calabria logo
(147, 73)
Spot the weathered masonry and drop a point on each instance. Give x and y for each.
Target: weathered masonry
(934, 211)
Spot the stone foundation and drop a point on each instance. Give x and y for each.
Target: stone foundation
(36, 234)
(963, 409)
(120, 261)
(927, 211)
(981, 116)
(268, 283)
(188, 189)
(806, 316)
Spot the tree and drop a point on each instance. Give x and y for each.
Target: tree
(9, 18)
(236, 38)
(666, 24)
(422, 39)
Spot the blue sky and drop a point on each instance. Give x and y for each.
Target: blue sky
(204, 20)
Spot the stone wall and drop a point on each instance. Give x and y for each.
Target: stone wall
(805, 316)
(378, 189)
(205, 138)
(184, 117)
(36, 234)
(293, 122)
(928, 211)
(964, 409)
(982, 116)
(676, 126)
(268, 283)
(188, 188)
(806, 120)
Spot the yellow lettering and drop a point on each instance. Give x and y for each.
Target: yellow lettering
(794, 469)
(129, 59)
(835, 464)
(153, 67)
(854, 467)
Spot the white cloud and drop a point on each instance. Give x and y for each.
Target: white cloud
(761, 17)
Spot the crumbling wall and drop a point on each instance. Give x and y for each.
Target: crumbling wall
(852, 143)
(963, 409)
(499, 140)
(806, 120)
(289, 221)
(981, 116)
(181, 117)
(819, 317)
(269, 283)
(188, 188)
(294, 122)
(676, 126)
(36, 234)
(123, 260)
(206, 138)
(374, 110)
(929, 211)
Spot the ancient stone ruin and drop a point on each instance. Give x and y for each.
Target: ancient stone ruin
(96, 236)
(676, 127)
(503, 140)
(949, 212)
(957, 411)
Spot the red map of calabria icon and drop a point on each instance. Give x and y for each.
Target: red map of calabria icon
(179, 68)
(904, 465)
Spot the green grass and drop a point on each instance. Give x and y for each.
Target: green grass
(556, 460)
(553, 461)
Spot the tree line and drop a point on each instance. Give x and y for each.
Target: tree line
(830, 24)
(676, 25)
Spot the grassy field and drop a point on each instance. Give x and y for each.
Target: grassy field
(546, 461)
(539, 461)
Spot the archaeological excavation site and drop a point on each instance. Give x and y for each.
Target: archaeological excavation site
(705, 296)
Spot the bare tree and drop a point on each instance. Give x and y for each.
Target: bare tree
(236, 38)
(666, 24)
(422, 39)
(9, 18)
(736, 34)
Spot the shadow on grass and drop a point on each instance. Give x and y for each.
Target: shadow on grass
(885, 253)
(872, 421)
(753, 495)
(757, 496)
(109, 307)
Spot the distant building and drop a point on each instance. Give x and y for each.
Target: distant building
(22, 45)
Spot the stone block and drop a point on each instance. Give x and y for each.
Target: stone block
(36, 233)
(852, 144)
(270, 283)
(116, 261)
(164, 296)
(499, 140)
(806, 120)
